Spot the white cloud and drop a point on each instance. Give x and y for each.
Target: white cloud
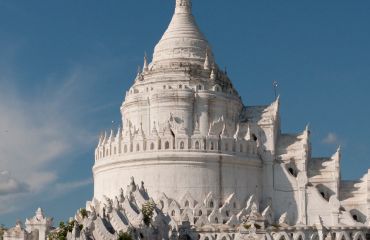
(332, 139)
(8, 203)
(28, 142)
(43, 124)
(9, 185)
(34, 134)
(66, 187)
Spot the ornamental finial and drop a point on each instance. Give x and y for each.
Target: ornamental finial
(183, 6)
(145, 66)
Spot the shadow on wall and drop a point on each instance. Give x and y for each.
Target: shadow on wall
(284, 185)
(286, 193)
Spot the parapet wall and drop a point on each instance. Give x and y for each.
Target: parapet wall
(176, 144)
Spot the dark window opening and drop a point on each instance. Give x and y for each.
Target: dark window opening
(322, 194)
(254, 137)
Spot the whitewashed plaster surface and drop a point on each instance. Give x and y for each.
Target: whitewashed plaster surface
(186, 130)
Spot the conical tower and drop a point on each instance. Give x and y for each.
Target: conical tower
(183, 42)
(183, 95)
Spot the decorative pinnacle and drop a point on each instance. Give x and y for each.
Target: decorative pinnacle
(213, 74)
(183, 6)
(145, 66)
(207, 64)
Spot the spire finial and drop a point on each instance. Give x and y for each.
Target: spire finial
(145, 65)
(213, 74)
(183, 6)
(207, 64)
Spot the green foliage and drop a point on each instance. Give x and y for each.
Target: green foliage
(83, 212)
(148, 212)
(2, 231)
(124, 236)
(247, 226)
(62, 231)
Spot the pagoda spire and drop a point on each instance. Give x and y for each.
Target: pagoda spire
(145, 65)
(207, 62)
(183, 6)
(182, 33)
(213, 74)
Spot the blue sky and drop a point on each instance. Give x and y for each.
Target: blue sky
(65, 66)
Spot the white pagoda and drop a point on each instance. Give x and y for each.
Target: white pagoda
(187, 134)
(214, 168)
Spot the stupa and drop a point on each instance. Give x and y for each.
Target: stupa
(210, 166)
(187, 134)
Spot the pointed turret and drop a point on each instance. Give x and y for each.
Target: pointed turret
(213, 74)
(306, 144)
(248, 135)
(111, 136)
(40, 214)
(336, 158)
(237, 132)
(224, 133)
(139, 134)
(337, 155)
(275, 106)
(207, 63)
(271, 113)
(119, 134)
(141, 131)
(306, 133)
(145, 65)
(154, 130)
(101, 140)
(105, 138)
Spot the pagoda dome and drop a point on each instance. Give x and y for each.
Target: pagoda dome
(183, 42)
